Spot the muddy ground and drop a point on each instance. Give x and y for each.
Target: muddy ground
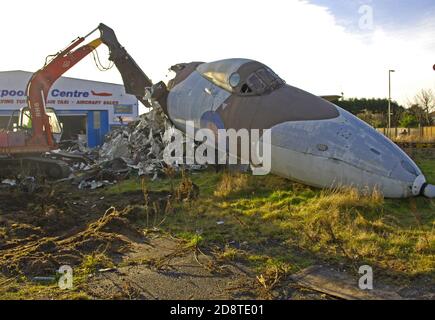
(60, 225)
(104, 238)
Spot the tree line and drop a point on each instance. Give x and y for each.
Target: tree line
(417, 112)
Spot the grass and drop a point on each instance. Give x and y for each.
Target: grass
(231, 184)
(206, 183)
(24, 289)
(278, 227)
(21, 288)
(265, 219)
(427, 166)
(93, 262)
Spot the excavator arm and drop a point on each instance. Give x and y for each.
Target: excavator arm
(41, 82)
(38, 87)
(135, 80)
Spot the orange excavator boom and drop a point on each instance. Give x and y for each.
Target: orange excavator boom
(40, 84)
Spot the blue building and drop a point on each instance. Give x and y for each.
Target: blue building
(87, 108)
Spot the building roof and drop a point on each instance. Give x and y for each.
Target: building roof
(28, 73)
(331, 98)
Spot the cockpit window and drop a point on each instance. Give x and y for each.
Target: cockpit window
(266, 75)
(234, 80)
(270, 77)
(261, 81)
(241, 76)
(256, 84)
(220, 72)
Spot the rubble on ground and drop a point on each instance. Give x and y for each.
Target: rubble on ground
(9, 182)
(140, 144)
(136, 148)
(24, 183)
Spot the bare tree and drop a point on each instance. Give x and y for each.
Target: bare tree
(425, 99)
(373, 119)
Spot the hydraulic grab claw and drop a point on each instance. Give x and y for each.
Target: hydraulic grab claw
(135, 80)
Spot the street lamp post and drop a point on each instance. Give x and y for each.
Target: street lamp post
(389, 102)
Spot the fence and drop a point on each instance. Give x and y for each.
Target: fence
(424, 134)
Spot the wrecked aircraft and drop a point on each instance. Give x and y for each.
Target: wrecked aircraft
(313, 141)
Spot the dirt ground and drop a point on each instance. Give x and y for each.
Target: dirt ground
(102, 237)
(162, 269)
(60, 225)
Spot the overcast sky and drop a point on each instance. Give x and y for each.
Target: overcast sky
(322, 46)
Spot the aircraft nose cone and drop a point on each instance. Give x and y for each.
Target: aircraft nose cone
(376, 153)
(373, 152)
(346, 151)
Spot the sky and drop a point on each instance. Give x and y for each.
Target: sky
(321, 46)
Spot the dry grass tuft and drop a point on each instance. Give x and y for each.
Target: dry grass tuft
(186, 190)
(231, 183)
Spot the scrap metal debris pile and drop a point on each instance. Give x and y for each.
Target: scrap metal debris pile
(140, 144)
(134, 149)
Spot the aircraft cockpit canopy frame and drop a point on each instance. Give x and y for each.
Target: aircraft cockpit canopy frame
(241, 76)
